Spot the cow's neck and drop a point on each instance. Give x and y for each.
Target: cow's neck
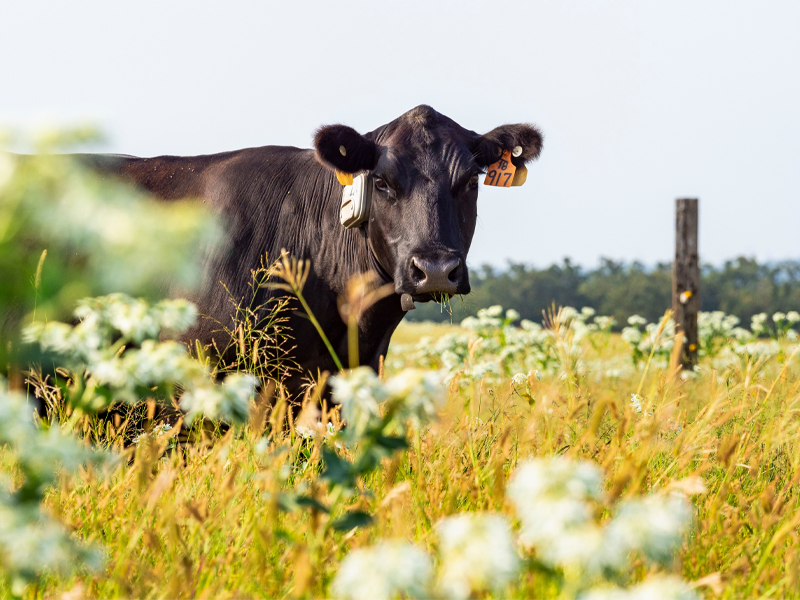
(310, 209)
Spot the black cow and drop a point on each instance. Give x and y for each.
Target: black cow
(425, 170)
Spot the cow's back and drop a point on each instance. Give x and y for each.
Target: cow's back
(266, 199)
(165, 177)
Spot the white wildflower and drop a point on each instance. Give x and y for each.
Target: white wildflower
(483, 369)
(636, 320)
(177, 315)
(262, 446)
(604, 323)
(42, 454)
(477, 554)
(156, 432)
(384, 571)
(511, 315)
(632, 335)
(81, 342)
(132, 317)
(359, 392)
(653, 526)
(581, 546)
(86, 339)
(414, 395)
(16, 418)
(157, 362)
(793, 316)
(32, 542)
(660, 587)
(305, 432)
(519, 379)
(229, 402)
(110, 371)
(567, 313)
(581, 329)
(494, 311)
(550, 497)
(51, 450)
(201, 401)
(555, 477)
(587, 311)
(616, 372)
(470, 323)
(419, 393)
(636, 403)
(451, 360)
(758, 349)
(53, 337)
(758, 323)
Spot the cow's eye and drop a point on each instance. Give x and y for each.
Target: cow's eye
(473, 182)
(382, 186)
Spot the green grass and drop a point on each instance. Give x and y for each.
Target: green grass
(204, 520)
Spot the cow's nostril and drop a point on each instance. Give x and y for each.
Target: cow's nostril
(416, 271)
(452, 276)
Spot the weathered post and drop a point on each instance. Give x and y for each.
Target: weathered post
(686, 278)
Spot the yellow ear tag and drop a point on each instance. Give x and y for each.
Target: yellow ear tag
(501, 173)
(520, 176)
(344, 178)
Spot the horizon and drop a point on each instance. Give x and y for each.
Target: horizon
(629, 263)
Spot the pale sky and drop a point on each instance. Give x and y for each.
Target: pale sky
(640, 102)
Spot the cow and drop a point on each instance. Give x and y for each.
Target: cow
(423, 169)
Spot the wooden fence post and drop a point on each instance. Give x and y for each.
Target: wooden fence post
(686, 278)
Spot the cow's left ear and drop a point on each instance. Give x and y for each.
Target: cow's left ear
(527, 138)
(344, 149)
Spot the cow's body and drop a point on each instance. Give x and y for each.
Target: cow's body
(274, 198)
(269, 199)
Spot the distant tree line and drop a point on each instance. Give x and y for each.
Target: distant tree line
(742, 287)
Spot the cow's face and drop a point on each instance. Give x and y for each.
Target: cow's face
(425, 169)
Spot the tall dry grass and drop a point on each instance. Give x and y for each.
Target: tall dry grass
(209, 518)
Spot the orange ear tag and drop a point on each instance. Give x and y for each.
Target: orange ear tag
(344, 178)
(501, 173)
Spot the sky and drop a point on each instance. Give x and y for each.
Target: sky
(640, 102)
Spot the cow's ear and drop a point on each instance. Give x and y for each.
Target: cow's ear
(527, 139)
(344, 149)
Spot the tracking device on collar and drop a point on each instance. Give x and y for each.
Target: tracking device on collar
(356, 199)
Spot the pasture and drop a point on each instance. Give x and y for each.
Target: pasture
(696, 472)
(220, 375)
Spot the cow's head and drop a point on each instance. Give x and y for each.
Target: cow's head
(425, 169)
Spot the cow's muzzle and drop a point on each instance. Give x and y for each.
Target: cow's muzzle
(443, 275)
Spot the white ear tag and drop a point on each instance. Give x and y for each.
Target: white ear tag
(356, 199)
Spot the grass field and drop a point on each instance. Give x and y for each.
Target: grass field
(243, 513)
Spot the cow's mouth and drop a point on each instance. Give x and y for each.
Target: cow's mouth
(438, 297)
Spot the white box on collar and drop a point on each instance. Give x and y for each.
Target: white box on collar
(356, 200)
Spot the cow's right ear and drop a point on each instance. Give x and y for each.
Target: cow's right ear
(525, 139)
(344, 149)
